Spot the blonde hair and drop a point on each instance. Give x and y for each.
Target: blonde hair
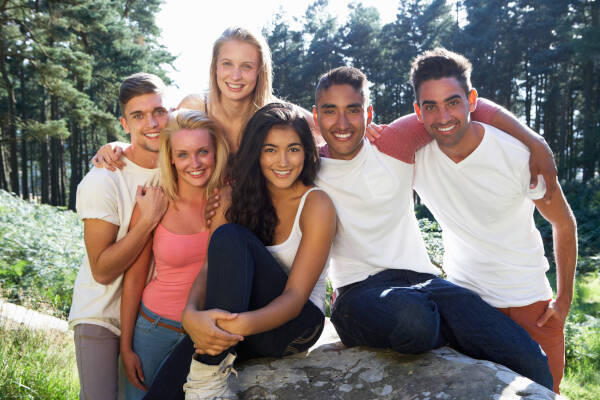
(263, 91)
(192, 101)
(190, 119)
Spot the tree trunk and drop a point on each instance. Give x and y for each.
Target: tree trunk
(44, 162)
(11, 127)
(24, 155)
(590, 132)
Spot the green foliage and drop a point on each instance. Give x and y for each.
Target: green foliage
(42, 249)
(582, 337)
(36, 364)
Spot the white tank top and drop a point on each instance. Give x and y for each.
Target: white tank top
(285, 253)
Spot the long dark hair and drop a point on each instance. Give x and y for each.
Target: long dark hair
(251, 204)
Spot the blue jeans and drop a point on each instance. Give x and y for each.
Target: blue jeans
(153, 344)
(242, 275)
(413, 312)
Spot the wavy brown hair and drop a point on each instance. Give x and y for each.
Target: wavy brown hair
(251, 204)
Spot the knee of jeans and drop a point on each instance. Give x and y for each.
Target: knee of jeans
(417, 330)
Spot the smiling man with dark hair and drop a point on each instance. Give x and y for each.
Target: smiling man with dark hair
(474, 179)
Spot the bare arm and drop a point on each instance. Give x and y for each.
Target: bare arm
(133, 286)
(318, 224)
(564, 233)
(109, 259)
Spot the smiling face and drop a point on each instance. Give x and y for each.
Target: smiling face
(237, 69)
(444, 108)
(193, 156)
(281, 158)
(143, 118)
(342, 118)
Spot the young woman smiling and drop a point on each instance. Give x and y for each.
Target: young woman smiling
(193, 156)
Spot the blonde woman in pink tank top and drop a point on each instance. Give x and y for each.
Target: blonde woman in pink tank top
(193, 157)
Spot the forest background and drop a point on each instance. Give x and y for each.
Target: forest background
(62, 62)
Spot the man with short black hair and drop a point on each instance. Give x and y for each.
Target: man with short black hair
(105, 201)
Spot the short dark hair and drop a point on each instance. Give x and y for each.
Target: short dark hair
(344, 76)
(137, 85)
(251, 204)
(440, 63)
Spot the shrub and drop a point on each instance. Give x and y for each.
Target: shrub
(42, 248)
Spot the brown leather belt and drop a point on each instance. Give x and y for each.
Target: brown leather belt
(171, 327)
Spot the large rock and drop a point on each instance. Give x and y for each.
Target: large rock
(331, 371)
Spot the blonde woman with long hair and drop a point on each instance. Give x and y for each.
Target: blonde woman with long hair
(193, 156)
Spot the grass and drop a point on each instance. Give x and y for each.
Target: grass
(582, 334)
(36, 364)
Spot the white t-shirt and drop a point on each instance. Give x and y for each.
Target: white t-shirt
(285, 253)
(377, 228)
(485, 208)
(109, 196)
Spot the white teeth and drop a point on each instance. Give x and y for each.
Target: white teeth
(281, 172)
(196, 173)
(342, 135)
(448, 129)
(234, 86)
(151, 135)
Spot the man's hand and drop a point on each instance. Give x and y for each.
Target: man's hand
(212, 203)
(373, 131)
(554, 310)
(152, 203)
(207, 337)
(109, 157)
(133, 369)
(541, 162)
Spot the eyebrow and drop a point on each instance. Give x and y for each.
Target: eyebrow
(445, 100)
(352, 105)
(289, 145)
(153, 110)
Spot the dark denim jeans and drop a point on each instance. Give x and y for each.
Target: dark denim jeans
(242, 276)
(412, 313)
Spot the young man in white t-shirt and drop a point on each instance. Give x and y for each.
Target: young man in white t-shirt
(105, 201)
(388, 293)
(474, 179)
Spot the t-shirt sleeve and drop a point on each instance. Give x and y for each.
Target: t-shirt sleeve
(402, 138)
(97, 197)
(485, 111)
(535, 193)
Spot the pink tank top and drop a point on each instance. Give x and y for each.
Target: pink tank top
(178, 260)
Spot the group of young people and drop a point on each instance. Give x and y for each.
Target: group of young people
(180, 280)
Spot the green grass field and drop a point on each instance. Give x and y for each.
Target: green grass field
(36, 364)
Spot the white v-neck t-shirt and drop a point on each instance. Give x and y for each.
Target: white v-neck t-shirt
(484, 206)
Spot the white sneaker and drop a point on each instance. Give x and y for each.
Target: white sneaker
(209, 382)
